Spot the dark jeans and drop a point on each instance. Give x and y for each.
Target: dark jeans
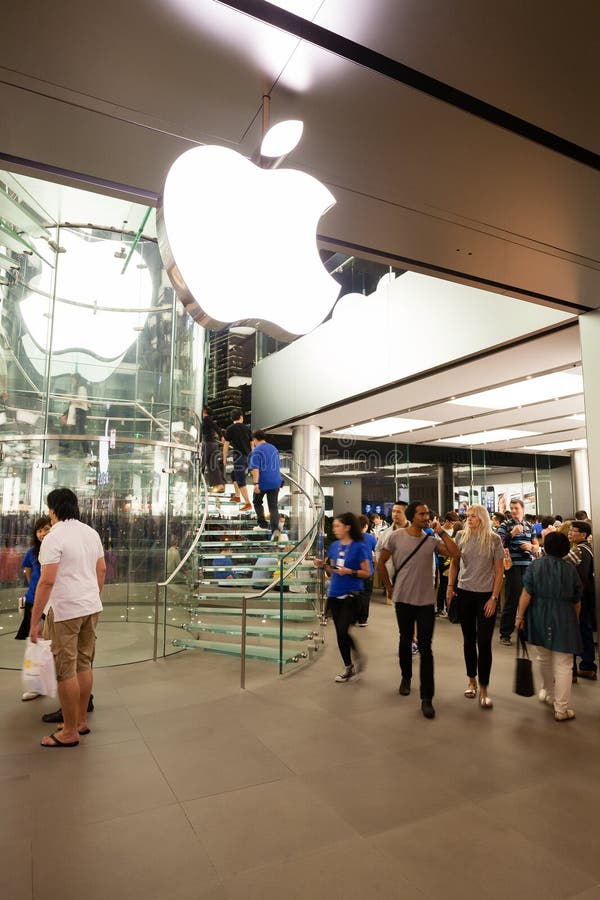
(478, 632)
(588, 655)
(513, 587)
(212, 462)
(364, 600)
(343, 612)
(257, 502)
(424, 618)
(441, 592)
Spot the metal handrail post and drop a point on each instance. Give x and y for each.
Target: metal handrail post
(243, 643)
(156, 604)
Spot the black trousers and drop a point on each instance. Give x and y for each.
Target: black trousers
(212, 462)
(424, 618)
(477, 634)
(441, 592)
(343, 612)
(513, 587)
(272, 497)
(364, 600)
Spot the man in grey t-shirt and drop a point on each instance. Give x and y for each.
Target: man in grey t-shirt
(411, 551)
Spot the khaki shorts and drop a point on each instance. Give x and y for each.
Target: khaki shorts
(73, 644)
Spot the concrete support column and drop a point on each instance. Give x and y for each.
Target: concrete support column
(306, 449)
(445, 486)
(581, 480)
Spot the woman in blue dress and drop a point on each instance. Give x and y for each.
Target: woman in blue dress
(551, 596)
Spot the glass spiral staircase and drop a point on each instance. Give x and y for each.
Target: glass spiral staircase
(247, 595)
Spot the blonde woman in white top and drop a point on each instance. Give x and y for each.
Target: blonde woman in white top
(474, 582)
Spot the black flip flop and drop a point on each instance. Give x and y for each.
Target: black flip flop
(57, 743)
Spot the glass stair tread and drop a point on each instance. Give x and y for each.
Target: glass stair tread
(298, 615)
(256, 630)
(247, 582)
(270, 654)
(272, 596)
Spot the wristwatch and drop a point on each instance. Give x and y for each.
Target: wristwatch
(355, 573)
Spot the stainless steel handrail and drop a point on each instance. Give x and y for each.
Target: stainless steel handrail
(177, 570)
(257, 596)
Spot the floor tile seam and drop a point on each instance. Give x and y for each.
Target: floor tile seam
(236, 790)
(293, 857)
(423, 820)
(102, 821)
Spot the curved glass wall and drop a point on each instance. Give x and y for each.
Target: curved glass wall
(101, 387)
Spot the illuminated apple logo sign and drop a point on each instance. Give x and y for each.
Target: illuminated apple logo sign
(95, 315)
(239, 241)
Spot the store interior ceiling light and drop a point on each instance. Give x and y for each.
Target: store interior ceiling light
(580, 444)
(388, 426)
(282, 138)
(523, 393)
(488, 437)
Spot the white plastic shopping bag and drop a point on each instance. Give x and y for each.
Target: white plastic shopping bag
(39, 674)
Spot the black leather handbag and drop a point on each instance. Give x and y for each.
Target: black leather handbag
(524, 670)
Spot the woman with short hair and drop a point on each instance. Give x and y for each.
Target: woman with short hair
(474, 582)
(552, 597)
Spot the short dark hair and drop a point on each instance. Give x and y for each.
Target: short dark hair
(411, 509)
(519, 501)
(363, 521)
(450, 516)
(351, 520)
(207, 410)
(236, 414)
(581, 515)
(37, 526)
(558, 518)
(556, 544)
(259, 435)
(401, 503)
(498, 515)
(63, 502)
(582, 527)
(547, 521)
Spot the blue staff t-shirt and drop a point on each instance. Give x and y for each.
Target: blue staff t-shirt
(265, 458)
(350, 556)
(30, 561)
(371, 542)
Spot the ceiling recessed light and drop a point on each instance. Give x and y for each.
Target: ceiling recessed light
(580, 444)
(535, 390)
(488, 437)
(385, 427)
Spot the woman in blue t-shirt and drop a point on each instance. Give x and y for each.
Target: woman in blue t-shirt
(348, 566)
(32, 570)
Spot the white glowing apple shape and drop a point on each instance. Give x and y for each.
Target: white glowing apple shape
(88, 273)
(239, 242)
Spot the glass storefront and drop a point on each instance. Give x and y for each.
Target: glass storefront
(375, 474)
(101, 388)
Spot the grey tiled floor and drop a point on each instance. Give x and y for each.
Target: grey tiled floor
(190, 789)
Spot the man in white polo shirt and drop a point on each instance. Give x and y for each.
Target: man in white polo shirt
(73, 572)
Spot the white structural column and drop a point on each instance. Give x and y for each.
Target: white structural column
(306, 448)
(581, 479)
(589, 332)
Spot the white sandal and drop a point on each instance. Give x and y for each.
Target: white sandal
(471, 692)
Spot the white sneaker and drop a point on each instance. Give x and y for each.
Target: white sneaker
(347, 675)
(30, 695)
(259, 528)
(544, 697)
